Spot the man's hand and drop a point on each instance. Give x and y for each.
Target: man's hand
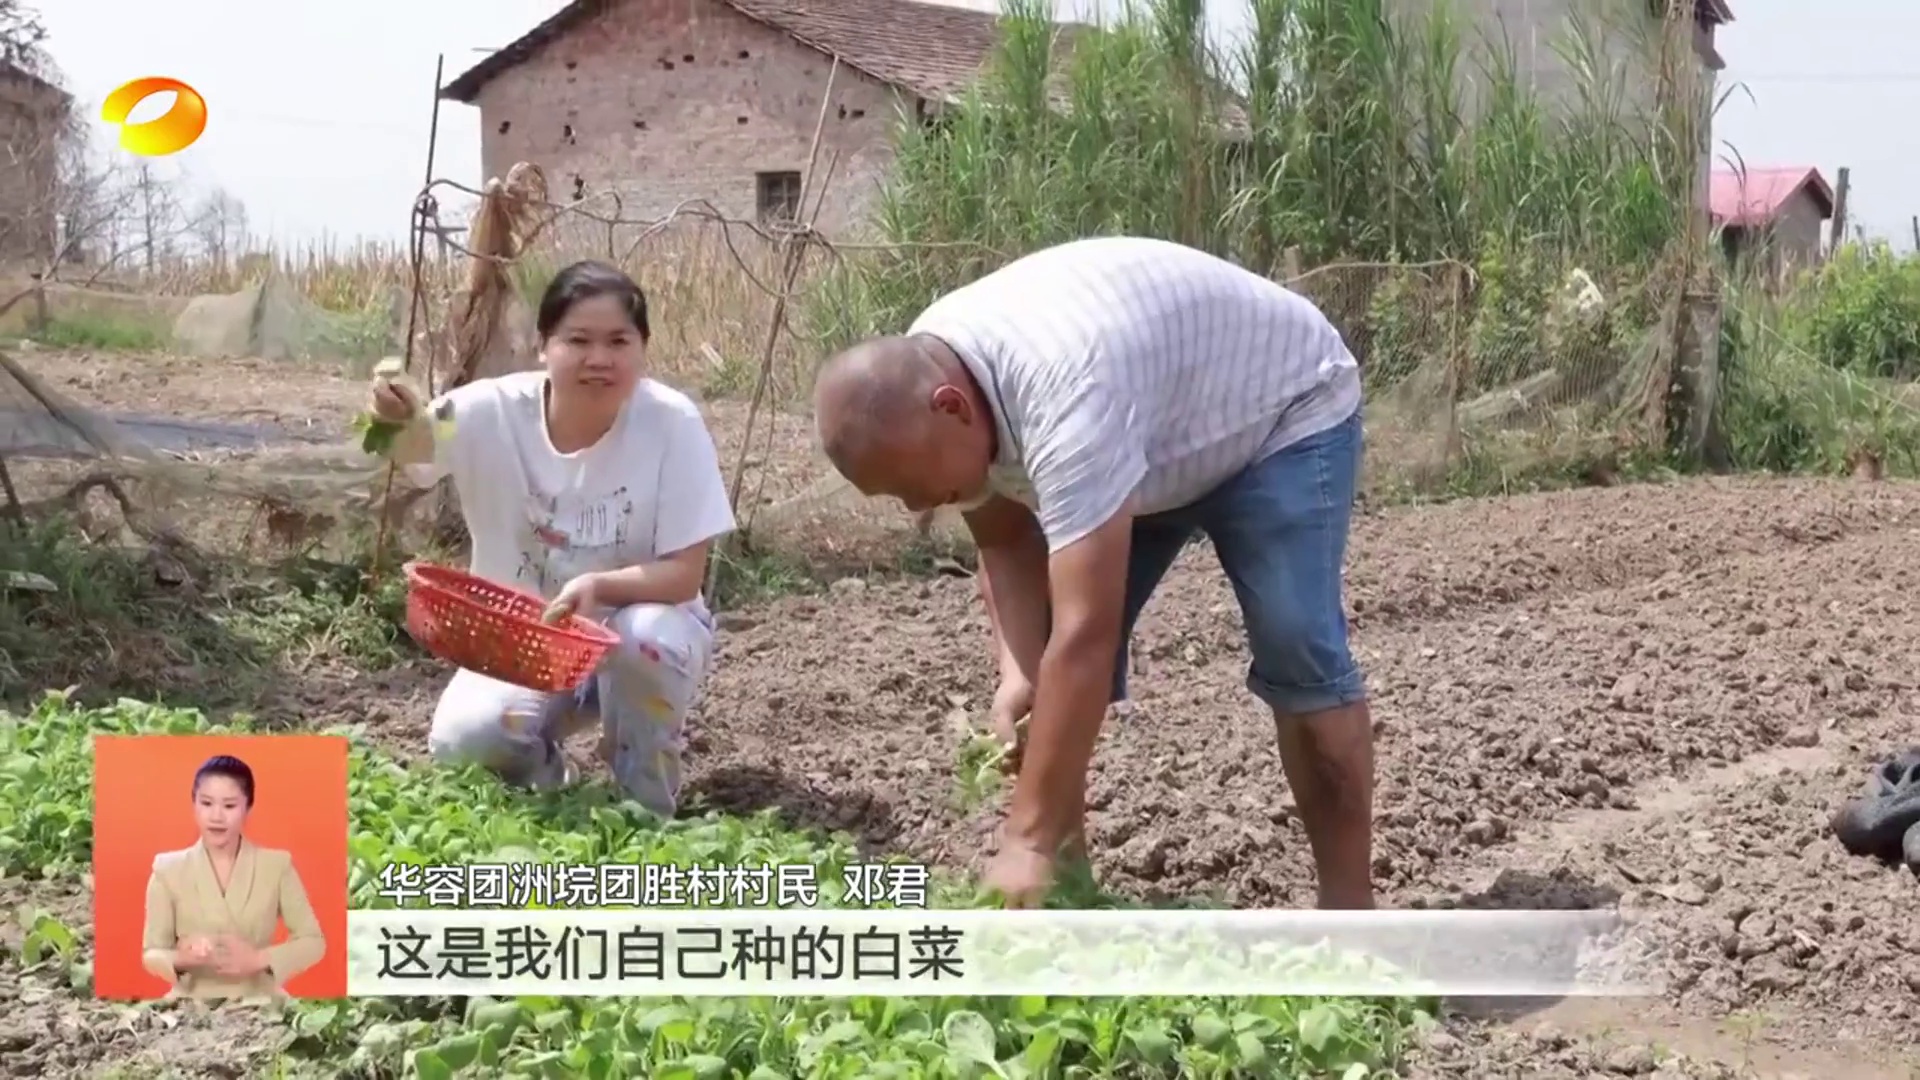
(1021, 874)
(580, 594)
(1011, 704)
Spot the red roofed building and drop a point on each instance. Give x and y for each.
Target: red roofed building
(1774, 214)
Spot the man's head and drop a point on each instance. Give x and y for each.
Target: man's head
(902, 417)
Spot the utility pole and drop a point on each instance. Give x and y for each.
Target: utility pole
(147, 222)
(1838, 234)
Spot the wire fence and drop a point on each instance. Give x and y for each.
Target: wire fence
(1467, 374)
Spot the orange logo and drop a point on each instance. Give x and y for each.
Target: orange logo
(174, 131)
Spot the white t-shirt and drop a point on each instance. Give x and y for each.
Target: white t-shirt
(538, 518)
(1122, 366)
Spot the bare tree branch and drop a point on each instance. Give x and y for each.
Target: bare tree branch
(75, 215)
(62, 206)
(23, 39)
(219, 225)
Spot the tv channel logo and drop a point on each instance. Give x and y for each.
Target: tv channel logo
(173, 131)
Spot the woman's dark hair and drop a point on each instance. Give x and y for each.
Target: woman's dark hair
(584, 281)
(230, 767)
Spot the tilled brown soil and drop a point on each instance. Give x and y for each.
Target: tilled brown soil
(1579, 697)
(47, 1032)
(1650, 697)
(299, 397)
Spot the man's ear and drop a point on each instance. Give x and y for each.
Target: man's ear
(949, 399)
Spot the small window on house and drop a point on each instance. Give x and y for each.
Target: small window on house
(938, 122)
(778, 196)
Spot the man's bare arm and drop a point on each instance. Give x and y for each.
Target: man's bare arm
(1076, 676)
(1013, 582)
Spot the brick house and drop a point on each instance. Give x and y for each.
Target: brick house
(663, 101)
(1774, 216)
(33, 116)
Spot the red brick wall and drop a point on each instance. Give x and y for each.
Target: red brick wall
(670, 100)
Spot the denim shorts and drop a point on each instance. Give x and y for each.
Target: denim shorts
(1279, 529)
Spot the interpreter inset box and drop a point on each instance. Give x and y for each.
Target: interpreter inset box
(220, 866)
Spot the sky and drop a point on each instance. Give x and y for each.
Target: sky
(319, 112)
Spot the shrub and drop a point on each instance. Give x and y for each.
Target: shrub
(1860, 311)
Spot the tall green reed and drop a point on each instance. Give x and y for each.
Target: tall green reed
(1361, 130)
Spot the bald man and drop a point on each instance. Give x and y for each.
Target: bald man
(1090, 408)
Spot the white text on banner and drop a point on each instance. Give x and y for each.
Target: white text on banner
(988, 953)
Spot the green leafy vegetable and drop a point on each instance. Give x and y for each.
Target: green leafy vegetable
(376, 435)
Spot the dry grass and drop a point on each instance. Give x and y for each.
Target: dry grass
(710, 290)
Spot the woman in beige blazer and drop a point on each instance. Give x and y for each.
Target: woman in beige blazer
(212, 909)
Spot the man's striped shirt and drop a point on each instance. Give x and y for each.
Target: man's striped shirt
(1122, 366)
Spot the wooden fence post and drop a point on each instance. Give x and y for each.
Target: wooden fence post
(41, 317)
(1459, 360)
(1697, 435)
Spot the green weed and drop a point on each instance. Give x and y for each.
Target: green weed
(102, 332)
(743, 575)
(119, 621)
(979, 766)
(1817, 371)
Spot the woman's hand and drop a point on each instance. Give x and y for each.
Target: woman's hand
(239, 960)
(193, 954)
(580, 594)
(393, 401)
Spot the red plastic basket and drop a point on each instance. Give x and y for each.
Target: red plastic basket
(496, 630)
